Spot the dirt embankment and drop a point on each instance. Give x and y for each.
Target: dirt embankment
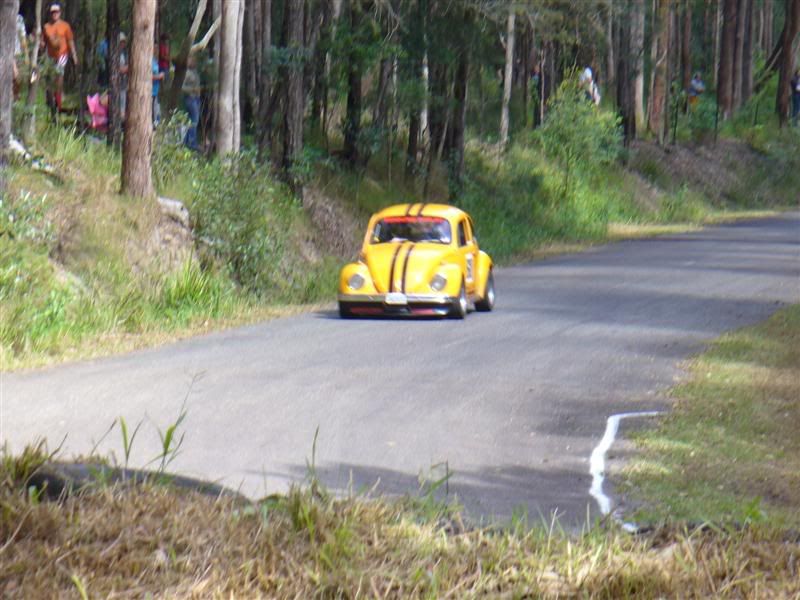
(729, 171)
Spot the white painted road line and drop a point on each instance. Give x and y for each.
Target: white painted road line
(597, 463)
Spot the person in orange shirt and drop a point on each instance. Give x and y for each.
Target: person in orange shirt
(57, 37)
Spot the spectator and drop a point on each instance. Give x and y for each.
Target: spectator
(102, 61)
(589, 86)
(123, 74)
(192, 90)
(796, 97)
(696, 87)
(158, 77)
(20, 52)
(57, 37)
(163, 55)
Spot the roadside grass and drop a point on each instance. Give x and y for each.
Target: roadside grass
(159, 541)
(82, 275)
(729, 452)
(85, 271)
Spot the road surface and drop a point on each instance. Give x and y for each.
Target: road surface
(512, 402)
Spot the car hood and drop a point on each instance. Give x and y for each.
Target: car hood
(409, 265)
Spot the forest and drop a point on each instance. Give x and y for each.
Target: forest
(282, 124)
(409, 79)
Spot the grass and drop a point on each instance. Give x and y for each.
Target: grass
(155, 540)
(89, 279)
(85, 271)
(729, 451)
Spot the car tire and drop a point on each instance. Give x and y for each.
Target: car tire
(459, 309)
(486, 303)
(344, 311)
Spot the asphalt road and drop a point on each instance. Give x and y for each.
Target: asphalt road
(513, 401)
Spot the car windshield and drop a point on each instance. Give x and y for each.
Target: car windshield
(412, 229)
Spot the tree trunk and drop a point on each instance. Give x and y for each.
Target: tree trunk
(659, 96)
(115, 116)
(747, 53)
(8, 31)
(293, 116)
(717, 35)
(182, 58)
(508, 72)
(790, 32)
(249, 62)
(738, 54)
(637, 57)
(769, 26)
(29, 121)
(626, 79)
(725, 79)
(228, 115)
(319, 84)
(265, 91)
(459, 121)
(611, 59)
(352, 129)
(686, 46)
(136, 152)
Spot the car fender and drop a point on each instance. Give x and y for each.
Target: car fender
(351, 269)
(482, 270)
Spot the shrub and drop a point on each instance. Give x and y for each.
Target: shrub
(243, 218)
(578, 135)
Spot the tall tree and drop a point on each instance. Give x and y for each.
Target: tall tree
(295, 105)
(188, 46)
(8, 22)
(352, 126)
(747, 53)
(507, 76)
(686, 45)
(659, 95)
(725, 79)
(29, 121)
(115, 90)
(637, 59)
(228, 123)
(791, 29)
(136, 152)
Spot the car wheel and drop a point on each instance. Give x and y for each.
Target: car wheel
(486, 303)
(459, 310)
(344, 311)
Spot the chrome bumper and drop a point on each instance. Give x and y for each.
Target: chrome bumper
(410, 299)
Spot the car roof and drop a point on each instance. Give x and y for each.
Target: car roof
(429, 210)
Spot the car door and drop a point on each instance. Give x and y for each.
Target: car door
(468, 250)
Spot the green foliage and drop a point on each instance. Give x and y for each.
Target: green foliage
(578, 135)
(683, 206)
(231, 213)
(703, 119)
(25, 219)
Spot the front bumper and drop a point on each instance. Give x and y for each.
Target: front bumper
(415, 304)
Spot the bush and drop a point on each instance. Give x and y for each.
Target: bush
(580, 137)
(244, 220)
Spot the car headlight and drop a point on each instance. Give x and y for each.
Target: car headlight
(438, 282)
(356, 282)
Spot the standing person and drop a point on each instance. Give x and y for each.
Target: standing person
(57, 37)
(20, 52)
(164, 61)
(696, 87)
(191, 100)
(123, 72)
(796, 97)
(158, 77)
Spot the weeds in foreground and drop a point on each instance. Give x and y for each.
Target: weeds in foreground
(161, 541)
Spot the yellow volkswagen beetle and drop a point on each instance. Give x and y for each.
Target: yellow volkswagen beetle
(418, 259)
